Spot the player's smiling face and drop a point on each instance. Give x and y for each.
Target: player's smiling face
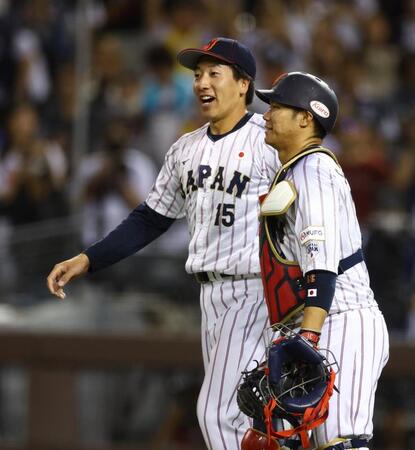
(281, 126)
(220, 96)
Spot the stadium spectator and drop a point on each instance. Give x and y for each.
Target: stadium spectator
(364, 162)
(34, 171)
(166, 100)
(112, 181)
(32, 190)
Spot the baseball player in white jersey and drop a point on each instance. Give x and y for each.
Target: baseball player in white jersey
(214, 177)
(315, 278)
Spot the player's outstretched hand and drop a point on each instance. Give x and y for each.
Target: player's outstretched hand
(65, 271)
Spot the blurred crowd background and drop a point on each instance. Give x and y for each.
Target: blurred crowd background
(91, 98)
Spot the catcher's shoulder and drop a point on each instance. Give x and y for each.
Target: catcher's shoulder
(317, 162)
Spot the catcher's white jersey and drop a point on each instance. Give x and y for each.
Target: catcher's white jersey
(322, 229)
(215, 184)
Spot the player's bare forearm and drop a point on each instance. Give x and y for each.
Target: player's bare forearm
(314, 318)
(65, 271)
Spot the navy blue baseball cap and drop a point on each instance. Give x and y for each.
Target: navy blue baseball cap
(227, 50)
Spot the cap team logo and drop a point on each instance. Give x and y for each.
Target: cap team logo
(320, 109)
(209, 45)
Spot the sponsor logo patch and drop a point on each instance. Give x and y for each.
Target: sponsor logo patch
(320, 109)
(312, 249)
(312, 234)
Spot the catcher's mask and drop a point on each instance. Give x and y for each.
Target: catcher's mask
(294, 384)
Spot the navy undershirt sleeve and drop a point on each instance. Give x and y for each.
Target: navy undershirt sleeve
(142, 226)
(320, 287)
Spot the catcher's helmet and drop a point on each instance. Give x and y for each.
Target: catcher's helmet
(298, 375)
(305, 91)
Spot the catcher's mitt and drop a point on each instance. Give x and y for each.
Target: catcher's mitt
(253, 393)
(294, 384)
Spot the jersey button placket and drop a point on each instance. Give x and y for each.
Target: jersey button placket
(203, 204)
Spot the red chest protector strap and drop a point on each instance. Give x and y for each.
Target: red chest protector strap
(312, 418)
(284, 287)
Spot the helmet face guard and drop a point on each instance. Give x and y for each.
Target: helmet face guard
(295, 384)
(297, 375)
(304, 91)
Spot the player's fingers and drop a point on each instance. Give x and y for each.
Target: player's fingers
(54, 280)
(60, 294)
(63, 272)
(66, 277)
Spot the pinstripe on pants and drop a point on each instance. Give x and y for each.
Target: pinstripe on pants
(234, 335)
(359, 340)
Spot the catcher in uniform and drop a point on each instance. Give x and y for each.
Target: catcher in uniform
(314, 275)
(213, 176)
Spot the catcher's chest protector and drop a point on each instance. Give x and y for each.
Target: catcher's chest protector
(282, 279)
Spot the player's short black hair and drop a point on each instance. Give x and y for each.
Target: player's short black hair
(240, 74)
(320, 131)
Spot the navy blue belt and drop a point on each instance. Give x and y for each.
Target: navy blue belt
(206, 277)
(353, 442)
(350, 261)
(344, 264)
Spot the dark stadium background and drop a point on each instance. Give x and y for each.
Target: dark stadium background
(91, 98)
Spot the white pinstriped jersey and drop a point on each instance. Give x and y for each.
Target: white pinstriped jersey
(215, 184)
(322, 229)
